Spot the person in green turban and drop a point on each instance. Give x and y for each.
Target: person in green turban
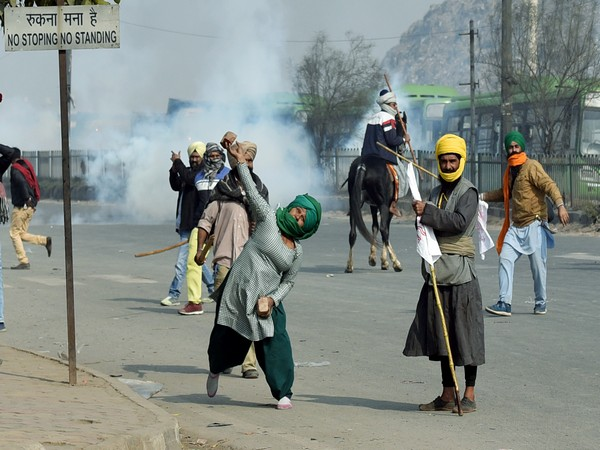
(250, 300)
(305, 207)
(525, 231)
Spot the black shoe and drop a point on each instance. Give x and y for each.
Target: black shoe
(22, 266)
(49, 246)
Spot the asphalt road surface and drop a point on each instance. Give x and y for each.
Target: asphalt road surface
(539, 388)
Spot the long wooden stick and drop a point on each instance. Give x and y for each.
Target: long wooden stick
(423, 169)
(438, 303)
(161, 250)
(412, 152)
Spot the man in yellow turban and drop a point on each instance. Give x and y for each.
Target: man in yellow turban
(452, 214)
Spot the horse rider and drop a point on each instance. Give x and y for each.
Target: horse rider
(385, 127)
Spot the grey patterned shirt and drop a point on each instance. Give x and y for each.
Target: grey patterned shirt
(265, 267)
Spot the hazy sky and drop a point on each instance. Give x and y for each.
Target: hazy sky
(168, 49)
(214, 50)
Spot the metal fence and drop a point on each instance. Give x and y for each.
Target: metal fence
(578, 177)
(48, 163)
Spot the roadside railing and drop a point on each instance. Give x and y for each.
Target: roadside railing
(578, 177)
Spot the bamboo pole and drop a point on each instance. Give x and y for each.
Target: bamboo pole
(161, 250)
(421, 168)
(438, 303)
(412, 152)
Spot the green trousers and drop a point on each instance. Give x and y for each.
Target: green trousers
(227, 348)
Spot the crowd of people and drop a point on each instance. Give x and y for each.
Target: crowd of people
(248, 255)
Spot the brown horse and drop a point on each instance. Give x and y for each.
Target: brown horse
(369, 181)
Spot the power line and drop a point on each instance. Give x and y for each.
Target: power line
(293, 41)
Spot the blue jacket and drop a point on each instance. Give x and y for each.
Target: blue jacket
(383, 127)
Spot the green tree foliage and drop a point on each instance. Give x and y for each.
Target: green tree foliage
(337, 89)
(30, 3)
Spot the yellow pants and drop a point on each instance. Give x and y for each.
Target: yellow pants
(19, 224)
(193, 274)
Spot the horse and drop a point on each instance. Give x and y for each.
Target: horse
(370, 181)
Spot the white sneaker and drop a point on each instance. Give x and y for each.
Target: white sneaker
(284, 403)
(212, 384)
(169, 301)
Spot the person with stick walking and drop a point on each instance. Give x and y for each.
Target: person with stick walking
(212, 171)
(525, 186)
(452, 214)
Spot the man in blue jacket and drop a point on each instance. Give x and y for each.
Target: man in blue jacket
(385, 127)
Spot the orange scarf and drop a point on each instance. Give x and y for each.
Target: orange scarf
(515, 160)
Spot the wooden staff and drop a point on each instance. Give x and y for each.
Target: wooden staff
(161, 250)
(438, 303)
(412, 152)
(423, 169)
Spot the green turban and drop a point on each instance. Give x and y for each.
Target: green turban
(288, 224)
(516, 137)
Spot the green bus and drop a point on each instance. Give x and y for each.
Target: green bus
(580, 136)
(424, 106)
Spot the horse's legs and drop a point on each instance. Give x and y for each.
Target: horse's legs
(374, 231)
(386, 219)
(351, 241)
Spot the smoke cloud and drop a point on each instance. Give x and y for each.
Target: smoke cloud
(230, 66)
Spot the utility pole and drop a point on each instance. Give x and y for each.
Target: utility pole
(472, 84)
(506, 71)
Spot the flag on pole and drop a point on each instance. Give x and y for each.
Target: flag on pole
(427, 244)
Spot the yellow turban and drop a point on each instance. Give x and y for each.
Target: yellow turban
(198, 147)
(451, 143)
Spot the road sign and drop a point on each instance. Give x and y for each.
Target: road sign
(61, 27)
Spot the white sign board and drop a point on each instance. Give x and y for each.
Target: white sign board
(61, 27)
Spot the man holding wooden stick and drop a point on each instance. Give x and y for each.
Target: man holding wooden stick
(452, 214)
(385, 127)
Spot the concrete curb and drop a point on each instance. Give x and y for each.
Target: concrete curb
(163, 434)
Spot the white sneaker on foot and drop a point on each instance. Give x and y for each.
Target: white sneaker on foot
(169, 301)
(212, 384)
(284, 403)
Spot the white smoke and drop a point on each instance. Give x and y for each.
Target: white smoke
(239, 60)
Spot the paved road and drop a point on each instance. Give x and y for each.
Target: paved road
(353, 389)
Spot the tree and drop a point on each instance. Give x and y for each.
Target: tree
(555, 64)
(336, 89)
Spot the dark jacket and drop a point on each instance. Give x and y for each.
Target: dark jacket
(20, 190)
(6, 154)
(204, 187)
(181, 179)
(383, 128)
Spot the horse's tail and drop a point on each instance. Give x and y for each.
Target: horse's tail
(356, 203)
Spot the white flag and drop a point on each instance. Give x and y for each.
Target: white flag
(427, 244)
(485, 240)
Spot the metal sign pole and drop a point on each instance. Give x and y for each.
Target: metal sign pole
(63, 68)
